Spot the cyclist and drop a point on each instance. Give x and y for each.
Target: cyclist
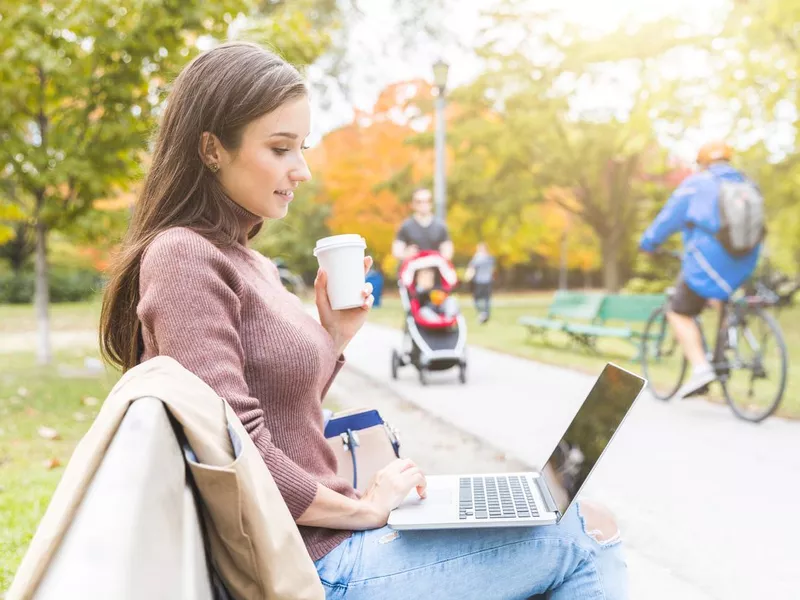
(720, 213)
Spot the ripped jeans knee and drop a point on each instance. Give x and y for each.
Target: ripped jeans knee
(599, 523)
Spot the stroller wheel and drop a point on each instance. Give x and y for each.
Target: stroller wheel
(423, 377)
(395, 363)
(462, 373)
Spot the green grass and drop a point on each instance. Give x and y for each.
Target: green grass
(71, 316)
(31, 397)
(504, 334)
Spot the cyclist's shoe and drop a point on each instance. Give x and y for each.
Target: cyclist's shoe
(700, 392)
(699, 379)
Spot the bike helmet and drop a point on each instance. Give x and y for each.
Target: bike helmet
(712, 152)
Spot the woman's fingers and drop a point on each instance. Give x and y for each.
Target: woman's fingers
(367, 263)
(405, 464)
(366, 294)
(320, 289)
(368, 302)
(399, 465)
(416, 479)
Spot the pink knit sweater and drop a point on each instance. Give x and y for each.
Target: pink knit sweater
(225, 316)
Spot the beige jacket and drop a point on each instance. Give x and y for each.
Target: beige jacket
(123, 524)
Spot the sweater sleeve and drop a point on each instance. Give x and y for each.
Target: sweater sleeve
(336, 369)
(190, 306)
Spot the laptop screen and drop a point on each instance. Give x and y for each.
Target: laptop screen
(590, 432)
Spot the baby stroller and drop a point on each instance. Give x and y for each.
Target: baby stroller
(434, 334)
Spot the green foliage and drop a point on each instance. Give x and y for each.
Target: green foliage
(16, 288)
(8, 215)
(639, 285)
(300, 31)
(66, 285)
(760, 66)
(293, 238)
(519, 132)
(83, 84)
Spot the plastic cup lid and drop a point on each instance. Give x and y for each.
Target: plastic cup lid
(336, 241)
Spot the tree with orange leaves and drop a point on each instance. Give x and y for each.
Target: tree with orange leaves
(367, 168)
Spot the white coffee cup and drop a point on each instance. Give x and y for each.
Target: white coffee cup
(342, 258)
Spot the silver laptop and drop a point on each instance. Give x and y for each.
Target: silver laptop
(528, 499)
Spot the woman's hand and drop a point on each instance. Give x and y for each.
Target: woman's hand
(390, 486)
(342, 325)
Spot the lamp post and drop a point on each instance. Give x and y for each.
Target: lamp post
(440, 69)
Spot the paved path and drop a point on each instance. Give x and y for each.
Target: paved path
(706, 502)
(60, 340)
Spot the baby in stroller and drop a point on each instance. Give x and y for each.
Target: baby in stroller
(434, 333)
(435, 303)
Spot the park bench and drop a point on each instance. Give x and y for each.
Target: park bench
(594, 311)
(566, 306)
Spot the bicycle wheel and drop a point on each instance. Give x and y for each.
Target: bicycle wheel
(757, 361)
(663, 362)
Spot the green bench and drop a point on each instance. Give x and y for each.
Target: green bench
(595, 310)
(565, 305)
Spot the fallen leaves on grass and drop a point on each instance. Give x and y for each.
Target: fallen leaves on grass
(79, 416)
(48, 433)
(52, 463)
(90, 401)
(23, 392)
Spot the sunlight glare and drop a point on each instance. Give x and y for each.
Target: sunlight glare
(609, 14)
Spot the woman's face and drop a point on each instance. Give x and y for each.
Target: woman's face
(262, 174)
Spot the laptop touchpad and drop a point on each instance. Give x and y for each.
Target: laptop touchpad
(435, 497)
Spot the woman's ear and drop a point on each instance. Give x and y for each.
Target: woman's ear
(211, 151)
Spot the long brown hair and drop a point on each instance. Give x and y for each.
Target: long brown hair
(220, 92)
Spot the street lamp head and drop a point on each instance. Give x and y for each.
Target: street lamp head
(440, 69)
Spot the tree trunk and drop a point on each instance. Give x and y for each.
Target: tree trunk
(42, 292)
(562, 273)
(610, 252)
(42, 297)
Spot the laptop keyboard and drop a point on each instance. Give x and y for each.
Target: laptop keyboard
(496, 497)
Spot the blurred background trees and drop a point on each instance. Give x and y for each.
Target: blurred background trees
(561, 147)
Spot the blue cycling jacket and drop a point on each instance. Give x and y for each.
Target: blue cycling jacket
(707, 268)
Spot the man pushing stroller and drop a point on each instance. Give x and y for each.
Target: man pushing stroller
(422, 230)
(434, 333)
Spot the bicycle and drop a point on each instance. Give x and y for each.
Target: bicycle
(740, 358)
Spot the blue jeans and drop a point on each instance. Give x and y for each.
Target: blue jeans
(495, 564)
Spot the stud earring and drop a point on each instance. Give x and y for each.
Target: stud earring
(213, 167)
